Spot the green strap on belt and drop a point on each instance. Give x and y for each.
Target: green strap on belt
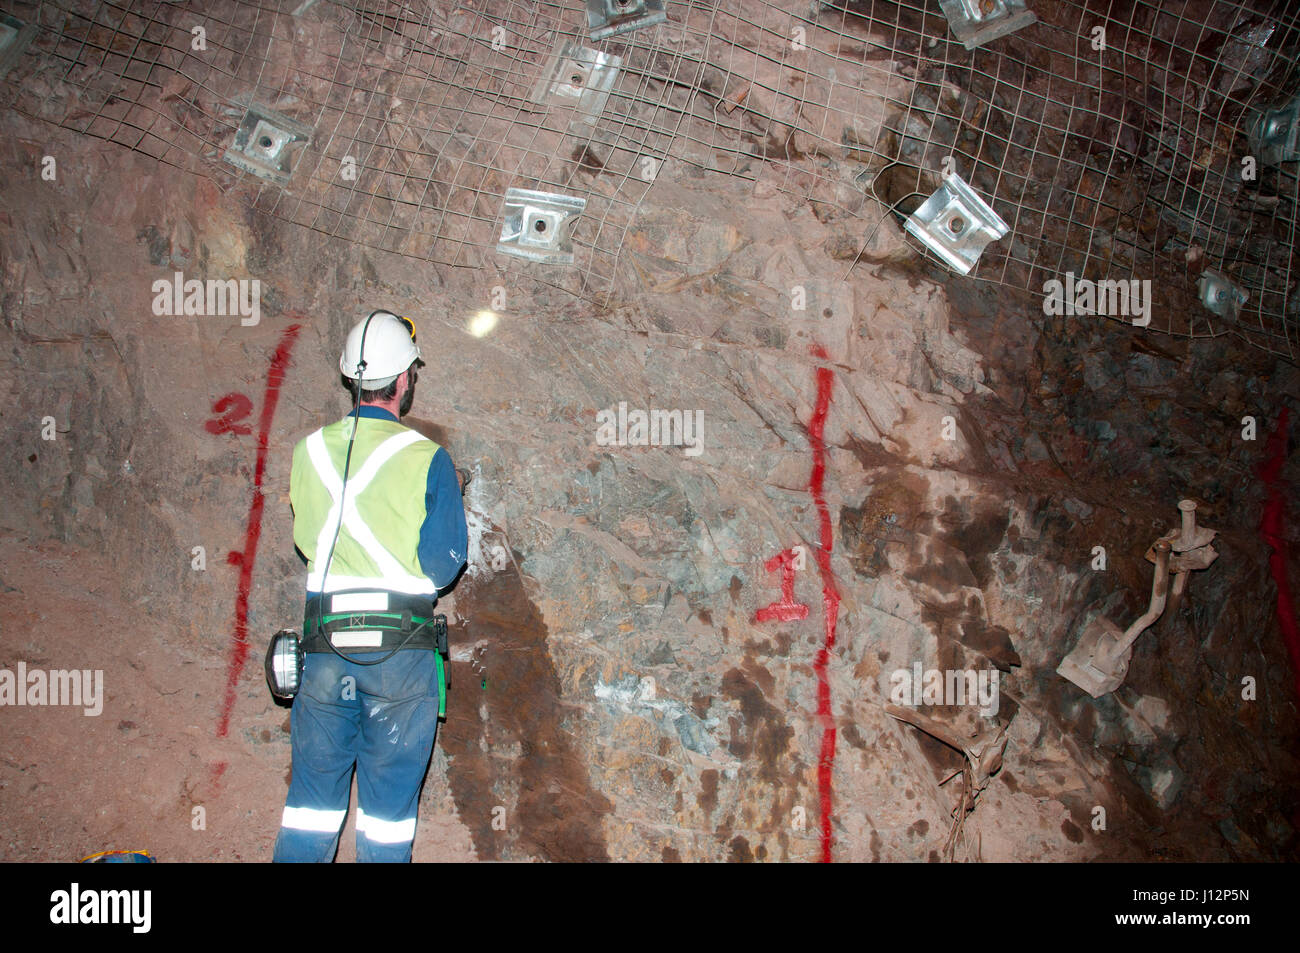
(395, 616)
(442, 686)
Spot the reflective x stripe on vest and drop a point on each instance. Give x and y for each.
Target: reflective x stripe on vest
(392, 575)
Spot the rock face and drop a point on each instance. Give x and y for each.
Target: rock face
(938, 461)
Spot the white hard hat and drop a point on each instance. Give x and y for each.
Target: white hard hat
(389, 349)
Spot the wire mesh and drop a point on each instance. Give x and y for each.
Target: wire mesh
(1110, 137)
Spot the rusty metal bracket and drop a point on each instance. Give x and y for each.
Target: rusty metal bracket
(1099, 661)
(1190, 543)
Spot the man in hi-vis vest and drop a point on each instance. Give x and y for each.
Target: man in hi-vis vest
(377, 555)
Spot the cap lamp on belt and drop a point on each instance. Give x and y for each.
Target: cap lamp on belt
(284, 664)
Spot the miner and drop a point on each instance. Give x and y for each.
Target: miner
(379, 517)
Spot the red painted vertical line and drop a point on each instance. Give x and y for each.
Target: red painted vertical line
(1272, 529)
(246, 559)
(830, 600)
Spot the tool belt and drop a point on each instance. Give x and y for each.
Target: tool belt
(372, 621)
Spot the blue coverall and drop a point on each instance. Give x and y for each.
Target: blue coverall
(384, 721)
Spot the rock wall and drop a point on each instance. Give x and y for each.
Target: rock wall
(938, 458)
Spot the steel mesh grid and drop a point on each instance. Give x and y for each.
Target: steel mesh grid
(1112, 164)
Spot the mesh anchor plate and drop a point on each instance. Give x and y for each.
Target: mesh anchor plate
(976, 22)
(956, 224)
(1221, 295)
(14, 37)
(577, 76)
(539, 225)
(266, 143)
(606, 18)
(1275, 134)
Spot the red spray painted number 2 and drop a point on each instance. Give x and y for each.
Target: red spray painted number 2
(232, 407)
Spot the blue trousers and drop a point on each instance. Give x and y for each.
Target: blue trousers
(382, 719)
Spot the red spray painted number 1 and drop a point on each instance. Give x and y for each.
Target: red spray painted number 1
(787, 610)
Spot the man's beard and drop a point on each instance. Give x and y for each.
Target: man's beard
(407, 399)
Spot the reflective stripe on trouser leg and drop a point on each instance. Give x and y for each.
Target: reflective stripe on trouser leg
(385, 832)
(324, 726)
(312, 819)
(399, 722)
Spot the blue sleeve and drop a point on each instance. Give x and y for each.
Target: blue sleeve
(444, 538)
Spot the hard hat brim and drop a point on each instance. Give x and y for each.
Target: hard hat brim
(379, 383)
